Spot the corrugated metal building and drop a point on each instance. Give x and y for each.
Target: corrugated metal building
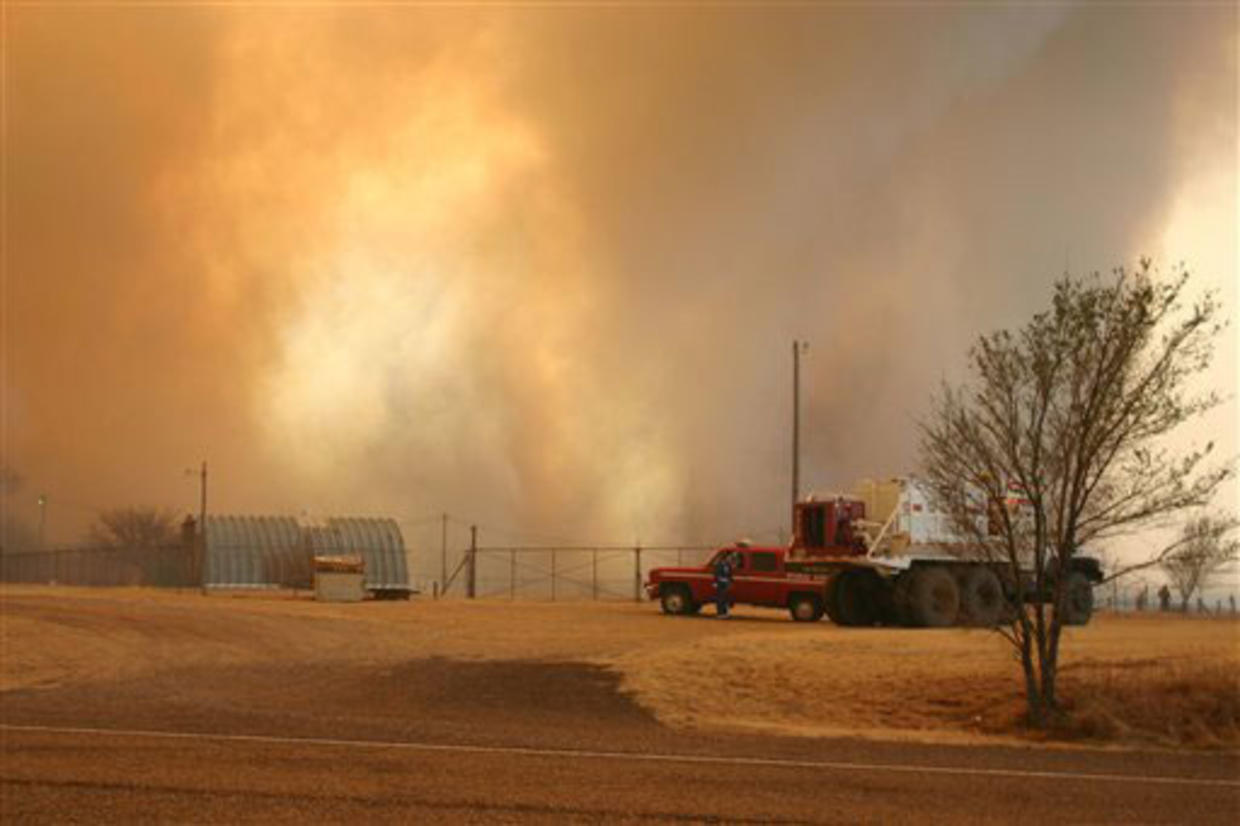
(275, 551)
(255, 552)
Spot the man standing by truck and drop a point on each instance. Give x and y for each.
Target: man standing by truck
(723, 584)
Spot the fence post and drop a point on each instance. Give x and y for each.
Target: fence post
(637, 574)
(594, 574)
(201, 576)
(443, 549)
(471, 581)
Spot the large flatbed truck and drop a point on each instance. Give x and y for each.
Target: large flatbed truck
(893, 558)
(879, 555)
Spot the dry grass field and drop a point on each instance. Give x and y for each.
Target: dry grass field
(1166, 681)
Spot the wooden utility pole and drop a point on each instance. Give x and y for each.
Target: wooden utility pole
(471, 582)
(637, 574)
(202, 529)
(798, 347)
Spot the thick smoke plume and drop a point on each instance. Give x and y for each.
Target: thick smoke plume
(542, 268)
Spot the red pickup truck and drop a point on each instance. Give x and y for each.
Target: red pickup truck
(758, 578)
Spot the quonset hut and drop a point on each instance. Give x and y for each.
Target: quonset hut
(277, 551)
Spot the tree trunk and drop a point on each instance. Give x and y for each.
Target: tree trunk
(1050, 668)
(1035, 702)
(1033, 697)
(1050, 665)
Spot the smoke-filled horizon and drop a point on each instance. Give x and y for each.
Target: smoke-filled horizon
(542, 267)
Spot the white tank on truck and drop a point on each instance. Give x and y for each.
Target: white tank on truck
(895, 559)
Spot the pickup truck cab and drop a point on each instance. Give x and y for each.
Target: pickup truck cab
(759, 577)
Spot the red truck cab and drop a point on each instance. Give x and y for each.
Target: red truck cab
(759, 577)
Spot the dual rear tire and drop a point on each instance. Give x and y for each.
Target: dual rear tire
(928, 597)
(856, 598)
(983, 603)
(931, 597)
(935, 596)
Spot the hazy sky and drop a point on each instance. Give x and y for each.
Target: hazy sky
(541, 267)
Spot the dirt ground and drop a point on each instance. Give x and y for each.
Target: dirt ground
(757, 673)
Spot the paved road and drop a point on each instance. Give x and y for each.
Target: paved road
(87, 775)
(441, 741)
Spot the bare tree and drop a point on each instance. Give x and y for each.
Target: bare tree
(15, 534)
(1066, 415)
(1205, 547)
(135, 527)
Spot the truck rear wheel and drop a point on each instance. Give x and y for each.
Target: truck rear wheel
(831, 602)
(982, 602)
(857, 596)
(805, 607)
(676, 600)
(1078, 604)
(898, 612)
(933, 598)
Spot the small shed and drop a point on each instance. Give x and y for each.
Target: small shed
(339, 578)
(377, 541)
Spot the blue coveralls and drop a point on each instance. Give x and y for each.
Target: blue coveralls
(723, 584)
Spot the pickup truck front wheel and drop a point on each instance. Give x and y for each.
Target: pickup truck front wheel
(676, 600)
(805, 607)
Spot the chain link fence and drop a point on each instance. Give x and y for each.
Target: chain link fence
(528, 573)
(164, 566)
(538, 573)
(605, 572)
(1136, 598)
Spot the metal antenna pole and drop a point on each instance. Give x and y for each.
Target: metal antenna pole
(202, 530)
(42, 518)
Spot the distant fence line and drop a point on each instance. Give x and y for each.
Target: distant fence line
(1142, 598)
(164, 566)
(601, 572)
(544, 572)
